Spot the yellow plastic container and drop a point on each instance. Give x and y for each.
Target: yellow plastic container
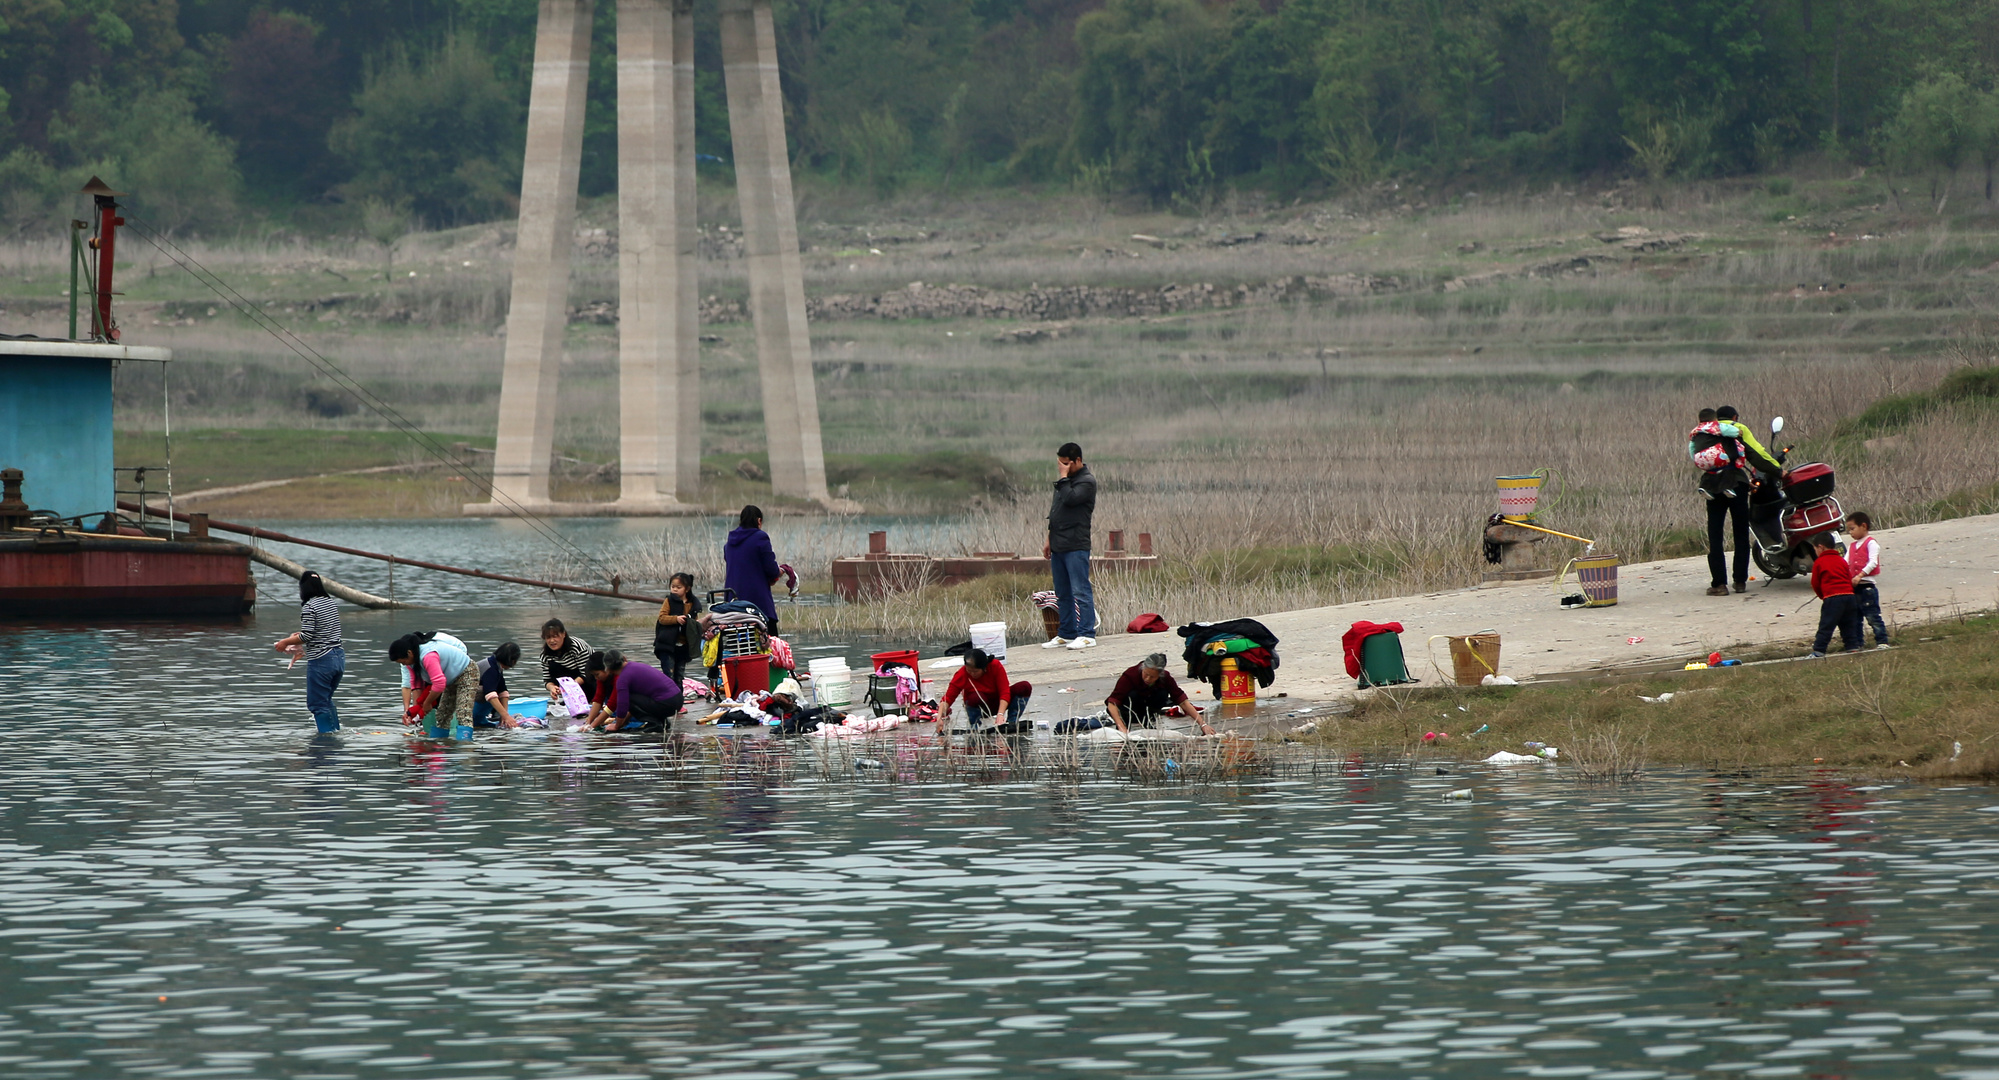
(1238, 686)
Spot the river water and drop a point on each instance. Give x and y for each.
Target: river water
(194, 886)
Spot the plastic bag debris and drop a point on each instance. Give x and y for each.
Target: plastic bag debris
(1504, 757)
(1498, 680)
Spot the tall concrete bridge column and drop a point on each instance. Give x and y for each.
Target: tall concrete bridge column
(649, 266)
(686, 478)
(770, 235)
(540, 302)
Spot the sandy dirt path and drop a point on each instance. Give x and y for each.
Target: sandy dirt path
(1930, 571)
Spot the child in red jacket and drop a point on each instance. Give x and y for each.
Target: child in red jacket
(1832, 582)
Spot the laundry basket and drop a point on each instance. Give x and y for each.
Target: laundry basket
(1473, 657)
(1597, 577)
(1519, 495)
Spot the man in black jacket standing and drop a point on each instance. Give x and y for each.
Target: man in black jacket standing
(1068, 550)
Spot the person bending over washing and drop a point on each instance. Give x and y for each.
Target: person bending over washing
(1143, 694)
(446, 678)
(643, 698)
(491, 708)
(982, 682)
(563, 656)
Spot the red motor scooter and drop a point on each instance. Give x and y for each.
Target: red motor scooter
(1787, 510)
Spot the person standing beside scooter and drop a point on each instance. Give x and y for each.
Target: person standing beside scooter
(1730, 500)
(1068, 549)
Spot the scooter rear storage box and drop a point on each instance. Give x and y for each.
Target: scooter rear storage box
(1809, 482)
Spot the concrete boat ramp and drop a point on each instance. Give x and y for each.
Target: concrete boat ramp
(1932, 571)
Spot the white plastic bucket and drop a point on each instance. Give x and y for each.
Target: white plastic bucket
(834, 688)
(990, 638)
(832, 682)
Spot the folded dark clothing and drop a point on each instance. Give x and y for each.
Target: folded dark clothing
(805, 720)
(1078, 723)
(1206, 667)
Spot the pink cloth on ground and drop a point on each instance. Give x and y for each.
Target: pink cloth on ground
(856, 726)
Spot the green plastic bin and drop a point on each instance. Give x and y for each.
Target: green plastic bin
(1381, 661)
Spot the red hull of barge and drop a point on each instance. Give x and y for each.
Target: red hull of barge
(84, 576)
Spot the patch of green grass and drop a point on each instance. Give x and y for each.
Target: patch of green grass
(1877, 711)
(1978, 384)
(1335, 561)
(223, 457)
(940, 482)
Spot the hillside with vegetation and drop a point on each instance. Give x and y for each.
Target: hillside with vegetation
(367, 117)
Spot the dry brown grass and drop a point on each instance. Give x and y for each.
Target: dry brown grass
(1282, 457)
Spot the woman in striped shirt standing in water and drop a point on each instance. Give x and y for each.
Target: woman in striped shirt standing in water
(318, 640)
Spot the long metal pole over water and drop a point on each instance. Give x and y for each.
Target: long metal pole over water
(392, 560)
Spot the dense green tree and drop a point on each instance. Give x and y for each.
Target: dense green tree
(437, 134)
(180, 172)
(280, 93)
(1144, 92)
(413, 107)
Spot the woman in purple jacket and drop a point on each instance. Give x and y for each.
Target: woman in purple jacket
(642, 698)
(752, 565)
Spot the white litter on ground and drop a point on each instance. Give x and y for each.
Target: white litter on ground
(1507, 757)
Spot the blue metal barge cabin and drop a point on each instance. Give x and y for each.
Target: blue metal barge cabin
(66, 550)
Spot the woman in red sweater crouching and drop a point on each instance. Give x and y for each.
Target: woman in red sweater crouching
(982, 683)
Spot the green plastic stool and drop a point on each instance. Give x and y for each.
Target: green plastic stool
(1381, 661)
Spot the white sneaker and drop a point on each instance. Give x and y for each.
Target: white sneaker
(1056, 643)
(1083, 643)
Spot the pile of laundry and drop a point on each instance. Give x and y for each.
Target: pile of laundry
(855, 726)
(1248, 642)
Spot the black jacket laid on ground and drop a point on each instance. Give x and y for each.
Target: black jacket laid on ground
(1208, 668)
(1069, 513)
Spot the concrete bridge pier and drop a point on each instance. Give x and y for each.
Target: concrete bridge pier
(770, 238)
(650, 338)
(686, 419)
(539, 308)
(659, 379)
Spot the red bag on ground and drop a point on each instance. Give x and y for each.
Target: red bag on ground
(1359, 632)
(1147, 623)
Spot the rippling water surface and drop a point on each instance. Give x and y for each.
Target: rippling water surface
(191, 886)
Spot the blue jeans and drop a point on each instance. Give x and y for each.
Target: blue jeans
(1073, 596)
(322, 678)
(1839, 613)
(1867, 597)
(976, 711)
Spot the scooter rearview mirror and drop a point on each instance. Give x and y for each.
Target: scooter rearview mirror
(1776, 425)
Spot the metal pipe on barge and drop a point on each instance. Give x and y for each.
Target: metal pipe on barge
(284, 538)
